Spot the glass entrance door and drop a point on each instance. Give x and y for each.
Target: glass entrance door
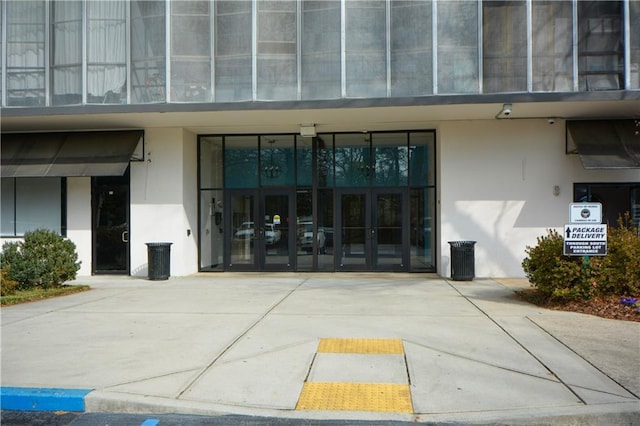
(110, 211)
(261, 236)
(277, 224)
(371, 230)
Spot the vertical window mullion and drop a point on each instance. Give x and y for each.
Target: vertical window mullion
(212, 49)
(299, 24)
(3, 12)
(627, 45)
(576, 86)
(480, 50)
(434, 46)
(529, 47)
(47, 53)
(167, 55)
(388, 44)
(15, 206)
(254, 50)
(343, 48)
(127, 53)
(85, 28)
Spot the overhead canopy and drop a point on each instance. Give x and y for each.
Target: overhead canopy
(606, 144)
(104, 153)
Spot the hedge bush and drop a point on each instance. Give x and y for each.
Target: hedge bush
(43, 259)
(565, 278)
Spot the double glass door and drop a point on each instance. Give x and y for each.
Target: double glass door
(262, 224)
(371, 230)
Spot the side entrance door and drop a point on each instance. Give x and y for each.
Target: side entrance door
(110, 224)
(371, 231)
(261, 233)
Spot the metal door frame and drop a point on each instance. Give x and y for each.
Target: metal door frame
(258, 218)
(371, 224)
(126, 234)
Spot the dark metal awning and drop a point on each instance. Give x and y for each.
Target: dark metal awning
(104, 153)
(606, 144)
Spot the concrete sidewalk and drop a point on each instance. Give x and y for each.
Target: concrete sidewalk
(316, 346)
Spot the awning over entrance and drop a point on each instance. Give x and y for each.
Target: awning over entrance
(606, 144)
(104, 153)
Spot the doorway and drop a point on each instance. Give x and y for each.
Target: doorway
(110, 224)
(262, 228)
(371, 230)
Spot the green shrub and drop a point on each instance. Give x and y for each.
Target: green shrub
(565, 278)
(556, 277)
(618, 273)
(7, 286)
(43, 259)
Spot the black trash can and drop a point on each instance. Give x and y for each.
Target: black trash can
(462, 260)
(159, 255)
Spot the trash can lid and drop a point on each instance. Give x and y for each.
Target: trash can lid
(461, 243)
(158, 244)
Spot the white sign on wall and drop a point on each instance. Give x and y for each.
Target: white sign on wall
(585, 213)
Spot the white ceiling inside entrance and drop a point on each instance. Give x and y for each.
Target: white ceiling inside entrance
(325, 119)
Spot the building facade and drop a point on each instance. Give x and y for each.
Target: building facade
(299, 135)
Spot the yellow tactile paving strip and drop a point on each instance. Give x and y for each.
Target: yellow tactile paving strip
(361, 346)
(381, 397)
(345, 396)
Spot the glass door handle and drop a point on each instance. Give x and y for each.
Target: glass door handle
(125, 236)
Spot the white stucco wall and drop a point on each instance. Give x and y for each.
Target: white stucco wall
(161, 209)
(79, 220)
(496, 182)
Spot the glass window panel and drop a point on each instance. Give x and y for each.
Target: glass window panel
(552, 44)
(276, 160)
(390, 159)
(233, 64)
(190, 81)
(38, 204)
(422, 158)
(190, 51)
(148, 51)
(304, 166)
(1, 50)
(458, 47)
(320, 61)
(325, 230)
(366, 49)
(106, 52)
(600, 45)
(66, 52)
(411, 48)
(352, 159)
(423, 232)
(25, 53)
(504, 46)
(8, 213)
(211, 154)
(304, 229)
(241, 162)
(325, 160)
(211, 231)
(634, 22)
(277, 49)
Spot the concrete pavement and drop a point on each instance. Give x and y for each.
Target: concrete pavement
(315, 346)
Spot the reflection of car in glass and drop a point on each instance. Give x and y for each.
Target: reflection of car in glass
(271, 234)
(245, 231)
(305, 237)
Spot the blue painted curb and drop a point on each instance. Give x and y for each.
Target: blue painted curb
(42, 399)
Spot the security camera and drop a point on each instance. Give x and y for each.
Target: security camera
(551, 121)
(506, 110)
